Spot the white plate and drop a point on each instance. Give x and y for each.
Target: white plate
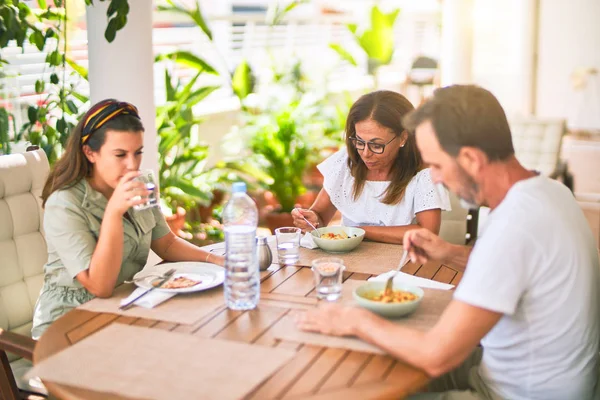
(210, 275)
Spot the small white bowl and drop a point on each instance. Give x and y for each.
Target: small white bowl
(355, 236)
(389, 310)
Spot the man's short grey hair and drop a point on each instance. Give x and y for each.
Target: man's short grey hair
(465, 116)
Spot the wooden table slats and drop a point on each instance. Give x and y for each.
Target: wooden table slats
(428, 270)
(444, 274)
(315, 372)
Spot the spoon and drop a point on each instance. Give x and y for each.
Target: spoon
(307, 221)
(390, 281)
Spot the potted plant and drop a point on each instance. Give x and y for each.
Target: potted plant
(272, 154)
(281, 142)
(376, 40)
(282, 152)
(183, 178)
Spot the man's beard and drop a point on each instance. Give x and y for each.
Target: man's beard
(467, 205)
(467, 185)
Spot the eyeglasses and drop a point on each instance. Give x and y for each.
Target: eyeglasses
(377, 148)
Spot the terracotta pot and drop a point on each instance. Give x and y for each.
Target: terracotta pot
(177, 221)
(307, 199)
(276, 220)
(313, 178)
(205, 212)
(270, 199)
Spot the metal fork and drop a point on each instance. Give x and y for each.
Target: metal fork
(157, 276)
(166, 276)
(307, 221)
(142, 277)
(390, 282)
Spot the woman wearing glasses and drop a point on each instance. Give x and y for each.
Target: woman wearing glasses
(378, 181)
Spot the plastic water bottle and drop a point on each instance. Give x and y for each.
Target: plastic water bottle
(242, 279)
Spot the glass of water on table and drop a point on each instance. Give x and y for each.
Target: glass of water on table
(288, 245)
(328, 273)
(147, 178)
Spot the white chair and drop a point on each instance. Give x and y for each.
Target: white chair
(538, 142)
(454, 223)
(23, 253)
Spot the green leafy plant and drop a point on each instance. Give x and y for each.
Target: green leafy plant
(19, 22)
(277, 12)
(195, 14)
(116, 14)
(243, 81)
(279, 138)
(280, 150)
(183, 179)
(376, 40)
(5, 122)
(51, 118)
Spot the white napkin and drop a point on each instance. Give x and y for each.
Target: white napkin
(149, 300)
(406, 279)
(307, 241)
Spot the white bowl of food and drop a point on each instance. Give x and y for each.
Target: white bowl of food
(338, 239)
(403, 300)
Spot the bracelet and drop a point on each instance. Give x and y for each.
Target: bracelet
(207, 257)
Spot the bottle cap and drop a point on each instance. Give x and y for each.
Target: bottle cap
(261, 239)
(238, 187)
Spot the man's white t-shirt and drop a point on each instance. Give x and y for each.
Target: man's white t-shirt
(537, 263)
(421, 194)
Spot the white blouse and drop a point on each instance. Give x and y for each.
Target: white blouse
(421, 194)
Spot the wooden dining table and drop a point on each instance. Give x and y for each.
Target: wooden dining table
(314, 373)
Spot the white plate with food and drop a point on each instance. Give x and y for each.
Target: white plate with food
(188, 277)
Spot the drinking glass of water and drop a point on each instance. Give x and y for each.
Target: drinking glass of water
(288, 245)
(328, 277)
(147, 177)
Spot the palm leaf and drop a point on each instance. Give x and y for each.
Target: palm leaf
(170, 90)
(81, 70)
(195, 15)
(344, 55)
(200, 94)
(189, 60)
(242, 81)
(187, 187)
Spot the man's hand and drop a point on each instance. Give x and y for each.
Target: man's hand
(330, 319)
(423, 246)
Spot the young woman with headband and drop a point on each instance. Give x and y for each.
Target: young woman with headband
(95, 240)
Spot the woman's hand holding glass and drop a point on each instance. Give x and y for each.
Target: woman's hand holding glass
(128, 193)
(299, 215)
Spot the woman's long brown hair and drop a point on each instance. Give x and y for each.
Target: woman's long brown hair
(74, 166)
(387, 108)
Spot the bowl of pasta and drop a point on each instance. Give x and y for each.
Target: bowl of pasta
(403, 300)
(338, 239)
